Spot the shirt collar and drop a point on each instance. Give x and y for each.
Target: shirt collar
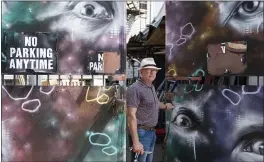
(144, 84)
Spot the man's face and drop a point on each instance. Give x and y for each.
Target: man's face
(148, 74)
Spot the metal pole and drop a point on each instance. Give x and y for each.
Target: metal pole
(14, 79)
(3, 79)
(150, 12)
(25, 77)
(81, 80)
(36, 79)
(48, 80)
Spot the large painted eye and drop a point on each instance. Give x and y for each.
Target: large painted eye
(186, 118)
(92, 10)
(249, 9)
(249, 6)
(183, 120)
(249, 148)
(256, 147)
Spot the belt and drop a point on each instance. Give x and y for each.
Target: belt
(140, 126)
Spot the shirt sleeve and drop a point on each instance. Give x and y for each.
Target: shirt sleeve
(132, 97)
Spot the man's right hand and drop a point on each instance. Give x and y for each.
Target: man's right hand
(138, 148)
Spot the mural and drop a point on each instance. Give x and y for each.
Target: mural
(88, 33)
(192, 26)
(216, 124)
(62, 124)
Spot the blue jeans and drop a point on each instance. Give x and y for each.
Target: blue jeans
(148, 139)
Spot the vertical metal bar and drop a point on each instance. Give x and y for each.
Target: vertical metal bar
(133, 69)
(139, 16)
(59, 80)
(36, 79)
(25, 78)
(150, 13)
(258, 80)
(81, 80)
(14, 79)
(70, 79)
(92, 80)
(48, 80)
(238, 80)
(166, 86)
(3, 79)
(104, 80)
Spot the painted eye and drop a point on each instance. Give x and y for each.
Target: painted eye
(88, 10)
(186, 119)
(249, 6)
(183, 120)
(256, 147)
(92, 10)
(249, 148)
(249, 9)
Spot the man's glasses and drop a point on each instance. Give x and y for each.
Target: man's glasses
(151, 70)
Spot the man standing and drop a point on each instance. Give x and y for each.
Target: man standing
(143, 111)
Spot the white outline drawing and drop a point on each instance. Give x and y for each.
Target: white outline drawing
(223, 93)
(179, 44)
(98, 144)
(16, 99)
(172, 46)
(183, 36)
(109, 154)
(31, 111)
(47, 93)
(256, 92)
(193, 30)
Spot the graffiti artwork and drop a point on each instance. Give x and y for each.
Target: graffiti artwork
(216, 124)
(192, 26)
(89, 34)
(62, 124)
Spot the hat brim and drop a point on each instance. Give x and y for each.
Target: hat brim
(149, 67)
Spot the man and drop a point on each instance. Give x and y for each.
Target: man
(143, 111)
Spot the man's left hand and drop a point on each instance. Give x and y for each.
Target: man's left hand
(169, 106)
